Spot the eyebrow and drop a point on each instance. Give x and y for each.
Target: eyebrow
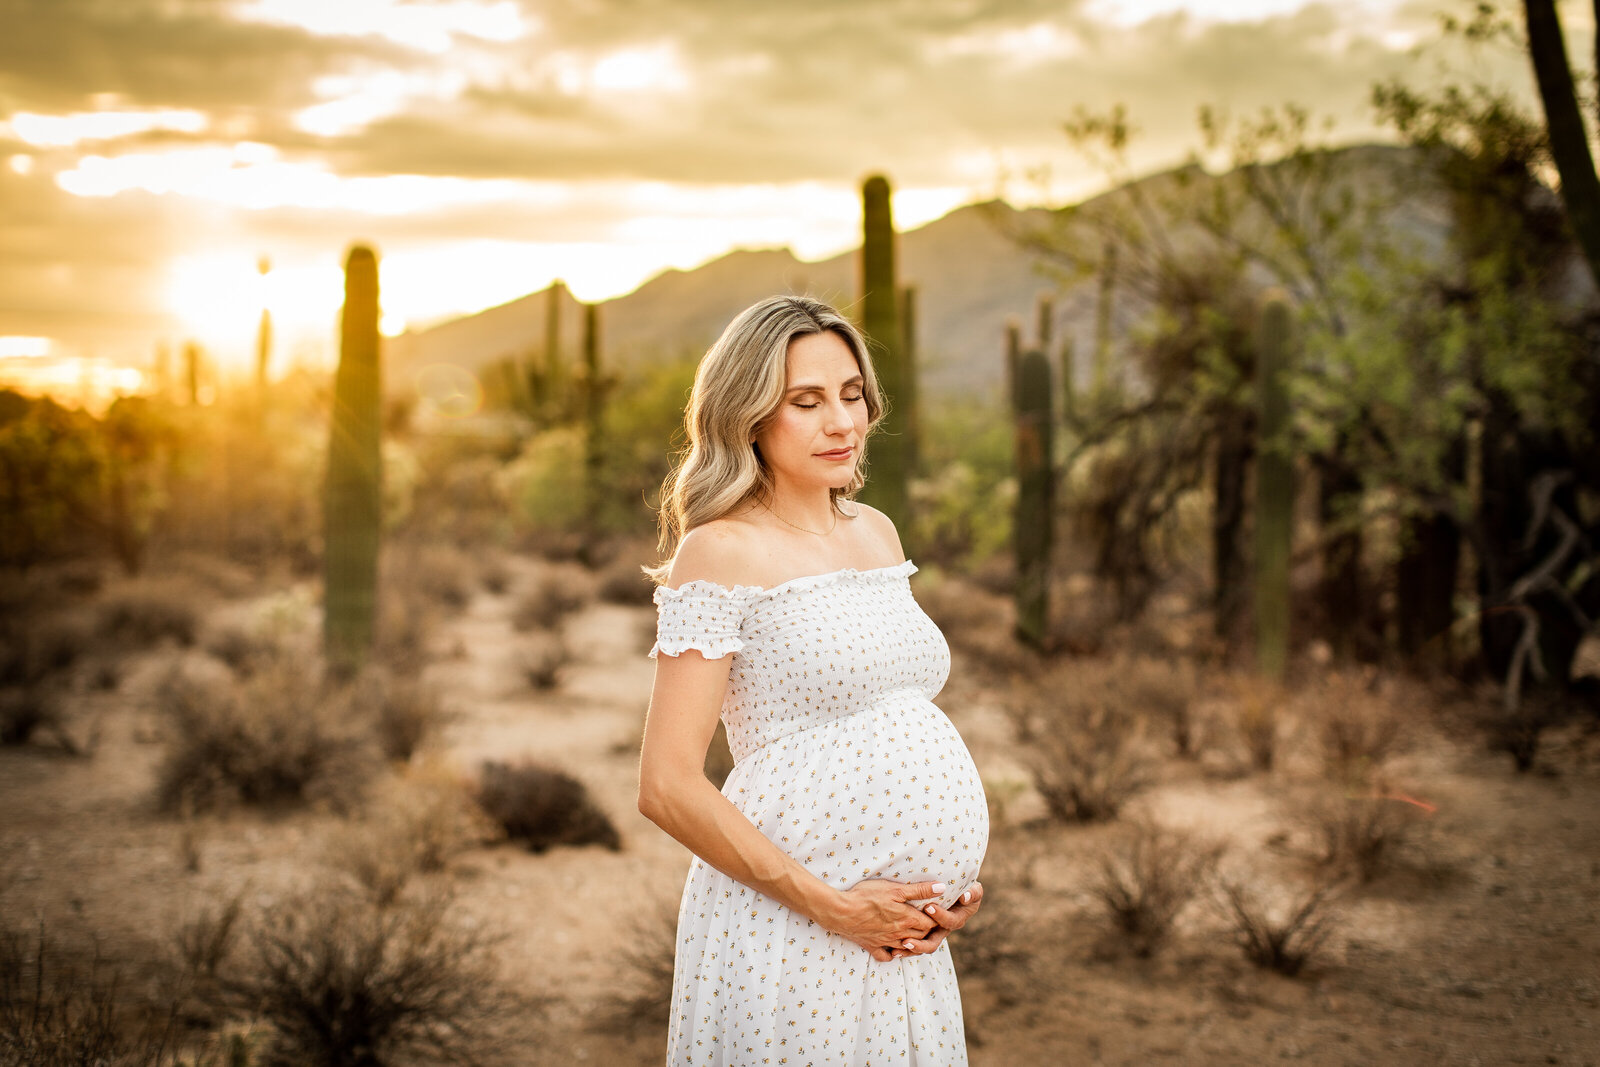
(856, 380)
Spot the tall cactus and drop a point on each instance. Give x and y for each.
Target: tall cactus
(594, 388)
(263, 333)
(1013, 360)
(1033, 524)
(191, 370)
(353, 508)
(908, 388)
(880, 320)
(553, 378)
(1274, 489)
(1102, 320)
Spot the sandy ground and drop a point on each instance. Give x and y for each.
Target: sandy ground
(1480, 947)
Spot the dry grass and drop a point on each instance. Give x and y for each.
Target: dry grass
(1147, 880)
(556, 595)
(415, 830)
(441, 572)
(643, 1003)
(541, 806)
(280, 736)
(64, 1006)
(623, 582)
(1084, 743)
(343, 982)
(1166, 690)
(495, 574)
(143, 612)
(541, 657)
(33, 647)
(1256, 704)
(406, 711)
(1282, 938)
(1358, 727)
(1360, 834)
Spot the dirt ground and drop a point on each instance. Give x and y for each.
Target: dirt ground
(1479, 947)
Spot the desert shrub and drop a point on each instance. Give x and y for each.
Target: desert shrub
(444, 573)
(1359, 834)
(554, 596)
(417, 829)
(205, 940)
(1358, 728)
(1087, 753)
(542, 806)
(281, 736)
(26, 711)
(60, 1007)
(624, 583)
(643, 1000)
(35, 646)
(996, 945)
(143, 612)
(1518, 729)
(1166, 691)
(1283, 939)
(240, 647)
(1148, 879)
(343, 982)
(405, 711)
(541, 658)
(1255, 705)
(495, 574)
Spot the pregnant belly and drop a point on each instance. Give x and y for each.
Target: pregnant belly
(886, 792)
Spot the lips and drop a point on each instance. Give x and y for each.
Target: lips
(838, 453)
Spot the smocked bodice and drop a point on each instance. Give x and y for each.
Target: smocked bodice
(808, 651)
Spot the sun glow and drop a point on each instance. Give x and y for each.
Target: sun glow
(64, 131)
(430, 27)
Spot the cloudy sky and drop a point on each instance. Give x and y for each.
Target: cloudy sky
(151, 151)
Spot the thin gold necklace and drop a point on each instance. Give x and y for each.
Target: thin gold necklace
(802, 529)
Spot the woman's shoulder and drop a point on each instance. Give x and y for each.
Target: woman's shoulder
(882, 527)
(720, 552)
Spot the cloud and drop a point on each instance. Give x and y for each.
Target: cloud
(547, 125)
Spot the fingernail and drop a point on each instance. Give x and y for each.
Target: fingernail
(966, 897)
(911, 944)
(930, 909)
(938, 887)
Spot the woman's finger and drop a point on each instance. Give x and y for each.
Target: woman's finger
(928, 944)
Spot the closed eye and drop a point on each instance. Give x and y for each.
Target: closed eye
(847, 400)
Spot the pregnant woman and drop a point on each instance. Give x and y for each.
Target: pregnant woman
(846, 842)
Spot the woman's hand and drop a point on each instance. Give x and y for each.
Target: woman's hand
(878, 912)
(949, 921)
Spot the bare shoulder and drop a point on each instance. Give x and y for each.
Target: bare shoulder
(882, 529)
(720, 551)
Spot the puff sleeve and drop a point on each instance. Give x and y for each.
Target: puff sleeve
(700, 615)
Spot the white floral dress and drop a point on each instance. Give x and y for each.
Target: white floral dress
(842, 760)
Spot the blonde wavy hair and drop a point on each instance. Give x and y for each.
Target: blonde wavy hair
(738, 388)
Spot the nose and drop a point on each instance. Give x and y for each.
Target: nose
(838, 417)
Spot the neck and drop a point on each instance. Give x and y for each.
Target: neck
(812, 509)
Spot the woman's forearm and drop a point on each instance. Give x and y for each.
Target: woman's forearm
(704, 821)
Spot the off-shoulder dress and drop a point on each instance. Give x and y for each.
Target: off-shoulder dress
(841, 759)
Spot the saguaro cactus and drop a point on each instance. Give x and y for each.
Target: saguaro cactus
(553, 379)
(1033, 524)
(353, 507)
(908, 387)
(880, 320)
(1274, 489)
(263, 332)
(191, 370)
